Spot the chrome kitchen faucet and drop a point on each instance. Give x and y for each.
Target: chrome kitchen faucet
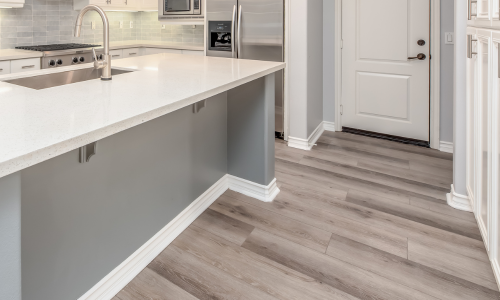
(105, 63)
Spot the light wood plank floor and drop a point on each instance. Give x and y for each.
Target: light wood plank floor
(357, 218)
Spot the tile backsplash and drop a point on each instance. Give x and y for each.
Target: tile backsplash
(52, 21)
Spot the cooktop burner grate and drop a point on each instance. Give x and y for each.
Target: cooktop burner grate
(56, 47)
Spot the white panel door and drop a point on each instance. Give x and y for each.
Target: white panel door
(382, 89)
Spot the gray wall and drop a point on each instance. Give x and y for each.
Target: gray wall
(447, 58)
(10, 237)
(329, 60)
(52, 21)
(83, 220)
(447, 70)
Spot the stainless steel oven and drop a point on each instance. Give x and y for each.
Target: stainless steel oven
(181, 7)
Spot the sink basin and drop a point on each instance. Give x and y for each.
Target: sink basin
(56, 79)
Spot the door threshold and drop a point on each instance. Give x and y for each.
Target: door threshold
(388, 137)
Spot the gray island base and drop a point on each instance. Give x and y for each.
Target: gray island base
(66, 225)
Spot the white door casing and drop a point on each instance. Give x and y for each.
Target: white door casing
(382, 90)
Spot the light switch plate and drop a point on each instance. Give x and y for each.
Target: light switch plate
(131, 24)
(92, 24)
(449, 38)
(163, 26)
(121, 24)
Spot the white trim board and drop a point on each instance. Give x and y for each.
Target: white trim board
(304, 144)
(117, 279)
(329, 126)
(435, 69)
(458, 201)
(446, 147)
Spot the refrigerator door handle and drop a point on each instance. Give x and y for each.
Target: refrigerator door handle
(239, 31)
(233, 26)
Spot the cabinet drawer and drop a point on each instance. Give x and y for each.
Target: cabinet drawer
(4, 67)
(132, 52)
(24, 65)
(116, 54)
(192, 52)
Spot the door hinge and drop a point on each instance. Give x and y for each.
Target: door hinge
(341, 110)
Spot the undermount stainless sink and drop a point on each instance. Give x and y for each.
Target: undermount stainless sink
(46, 81)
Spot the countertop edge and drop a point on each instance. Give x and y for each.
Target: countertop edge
(40, 155)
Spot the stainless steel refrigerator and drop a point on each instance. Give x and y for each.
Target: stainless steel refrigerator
(249, 29)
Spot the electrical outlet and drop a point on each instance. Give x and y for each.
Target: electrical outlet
(448, 38)
(131, 24)
(163, 27)
(194, 26)
(121, 24)
(92, 24)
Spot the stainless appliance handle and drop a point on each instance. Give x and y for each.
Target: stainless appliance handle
(239, 31)
(470, 14)
(233, 25)
(28, 67)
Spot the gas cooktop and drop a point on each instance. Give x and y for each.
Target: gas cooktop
(57, 47)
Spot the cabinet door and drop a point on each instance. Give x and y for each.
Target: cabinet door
(24, 65)
(471, 119)
(482, 192)
(495, 134)
(149, 51)
(4, 67)
(481, 12)
(192, 52)
(116, 54)
(149, 5)
(131, 52)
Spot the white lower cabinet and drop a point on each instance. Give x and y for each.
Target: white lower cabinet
(483, 136)
(150, 51)
(131, 52)
(116, 54)
(4, 67)
(24, 65)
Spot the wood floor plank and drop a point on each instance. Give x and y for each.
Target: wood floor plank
(270, 277)
(442, 208)
(149, 285)
(315, 177)
(318, 153)
(412, 175)
(473, 270)
(394, 224)
(200, 279)
(419, 277)
(290, 203)
(219, 224)
(430, 168)
(288, 155)
(376, 177)
(415, 214)
(405, 155)
(340, 275)
(390, 145)
(360, 154)
(280, 225)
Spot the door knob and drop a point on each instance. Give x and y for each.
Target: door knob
(421, 42)
(419, 56)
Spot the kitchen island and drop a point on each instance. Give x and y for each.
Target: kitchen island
(170, 137)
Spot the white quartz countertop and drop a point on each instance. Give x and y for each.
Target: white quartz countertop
(36, 125)
(11, 54)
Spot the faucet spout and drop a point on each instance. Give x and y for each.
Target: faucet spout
(105, 64)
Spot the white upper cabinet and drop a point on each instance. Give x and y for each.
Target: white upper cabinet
(120, 5)
(11, 3)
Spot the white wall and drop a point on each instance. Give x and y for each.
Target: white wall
(447, 58)
(305, 67)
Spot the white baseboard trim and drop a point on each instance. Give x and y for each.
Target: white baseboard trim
(446, 147)
(329, 126)
(254, 190)
(115, 281)
(496, 271)
(458, 201)
(309, 143)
